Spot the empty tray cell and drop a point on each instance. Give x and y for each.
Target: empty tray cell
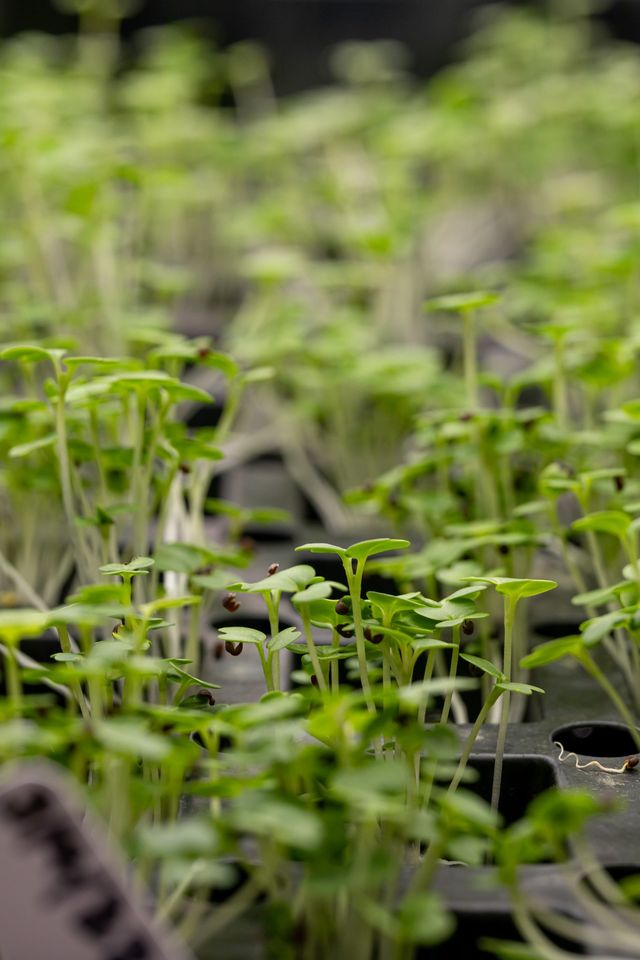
(601, 739)
(523, 778)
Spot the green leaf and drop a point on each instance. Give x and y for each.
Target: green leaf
(468, 592)
(359, 785)
(218, 580)
(417, 693)
(485, 665)
(103, 363)
(551, 651)
(145, 381)
(443, 612)
(241, 635)
(28, 353)
(406, 638)
(530, 508)
(600, 627)
(283, 639)
(290, 580)
(516, 588)
(317, 591)
(89, 615)
(333, 653)
(100, 594)
(190, 449)
(131, 738)
(597, 598)
(631, 574)
(24, 449)
(614, 522)
(177, 672)
(369, 548)
(323, 548)
(22, 622)
(389, 604)
(258, 375)
(281, 821)
(513, 687)
(471, 809)
(169, 603)
(428, 643)
(222, 362)
(323, 613)
(462, 302)
(194, 837)
(424, 919)
(155, 379)
(139, 565)
(182, 557)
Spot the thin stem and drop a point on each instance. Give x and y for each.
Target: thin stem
(423, 876)
(166, 909)
(510, 606)
(453, 669)
(139, 493)
(493, 697)
(334, 669)
(234, 906)
(428, 673)
(532, 933)
(21, 585)
(272, 601)
(354, 580)
(193, 638)
(14, 681)
(311, 647)
(560, 398)
(64, 469)
(469, 358)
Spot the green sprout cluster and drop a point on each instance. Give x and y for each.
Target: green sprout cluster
(423, 303)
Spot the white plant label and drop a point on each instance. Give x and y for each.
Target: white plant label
(61, 895)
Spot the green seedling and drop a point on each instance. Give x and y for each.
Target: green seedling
(513, 591)
(579, 647)
(465, 305)
(292, 580)
(354, 559)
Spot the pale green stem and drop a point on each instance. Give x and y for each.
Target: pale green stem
(234, 906)
(560, 399)
(193, 638)
(64, 472)
(166, 909)
(334, 669)
(311, 647)
(272, 601)
(455, 653)
(510, 606)
(428, 673)
(354, 580)
(469, 357)
(493, 697)
(139, 494)
(21, 585)
(14, 681)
